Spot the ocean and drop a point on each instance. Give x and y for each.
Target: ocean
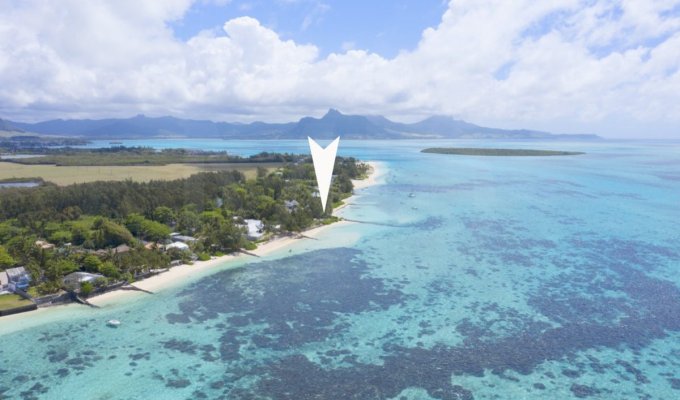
(464, 278)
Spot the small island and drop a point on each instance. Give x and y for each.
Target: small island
(470, 151)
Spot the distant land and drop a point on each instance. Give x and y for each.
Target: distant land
(460, 151)
(331, 125)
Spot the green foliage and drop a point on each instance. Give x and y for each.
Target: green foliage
(60, 237)
(101, 215)
(86, 288)
(6, 260)
(164, 215)
(8, 231)
(109, 270)
(250, 246)
(110, 234)
(55, 270)
(188, 221)
(147, 229)
(91, 263)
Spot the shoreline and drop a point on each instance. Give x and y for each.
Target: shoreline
(178, 275)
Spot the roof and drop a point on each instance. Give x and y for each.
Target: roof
(45, 245)
(255, 228)
(80, 277)
(123, 248)
(16, 273)
(183, 238)
(177, 245)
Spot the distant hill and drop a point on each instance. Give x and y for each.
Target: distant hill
(8, 126)
(329, 126)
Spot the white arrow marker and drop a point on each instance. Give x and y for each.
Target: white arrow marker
(324, 161)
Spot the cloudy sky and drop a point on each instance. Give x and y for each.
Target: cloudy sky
(609, 67)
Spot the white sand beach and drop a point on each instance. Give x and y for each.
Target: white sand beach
(182, 274)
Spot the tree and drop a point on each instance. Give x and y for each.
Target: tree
(147, 229)
(86, 288)
(188, 221)
(6, 260)
(155, 231)
(109, 270)
(110, 234)
(91, 263)
(164, 215)
(60, 237)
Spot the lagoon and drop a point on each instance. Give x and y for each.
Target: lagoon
(498, 278)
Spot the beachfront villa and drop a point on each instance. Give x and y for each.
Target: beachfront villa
(177, 245)
(255, 229)
(18, 278)
(75, 279)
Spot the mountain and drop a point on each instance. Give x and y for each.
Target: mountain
(8, 126)
(335, 124)
(331, 125)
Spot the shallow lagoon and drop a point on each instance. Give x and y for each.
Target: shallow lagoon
(500, 278)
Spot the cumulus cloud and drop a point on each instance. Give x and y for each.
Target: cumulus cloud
(563, 65)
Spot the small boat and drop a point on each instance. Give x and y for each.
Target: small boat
(411, 194)
(114, 323)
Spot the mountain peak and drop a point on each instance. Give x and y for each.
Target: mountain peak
(332, 112)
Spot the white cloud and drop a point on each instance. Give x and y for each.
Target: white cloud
(567, 65)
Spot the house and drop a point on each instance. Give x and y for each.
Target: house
(75, 279)
(291, 205)
(4, 282)
(123, 248)
(44, 245)
(255, 229)
(177, 245)
(18, 278)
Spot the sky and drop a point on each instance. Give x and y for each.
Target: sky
(610, 67)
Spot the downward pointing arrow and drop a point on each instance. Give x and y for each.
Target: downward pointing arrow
(324, 161)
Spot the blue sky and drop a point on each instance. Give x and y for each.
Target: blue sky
(610, 67)
(380, 26)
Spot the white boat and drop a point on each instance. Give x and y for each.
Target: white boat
(113, 323)
(411, 194)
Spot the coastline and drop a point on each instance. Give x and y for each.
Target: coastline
(178, 275)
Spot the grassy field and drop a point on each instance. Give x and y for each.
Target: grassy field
(68, 175)
(498, 152)
(9, 301)
(132, 157)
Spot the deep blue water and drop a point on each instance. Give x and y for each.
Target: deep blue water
(522, 278)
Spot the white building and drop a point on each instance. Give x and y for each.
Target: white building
(177, 245)
(255, 229)
(4, 282)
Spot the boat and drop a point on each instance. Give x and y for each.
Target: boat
(114, 323)
(411, 194)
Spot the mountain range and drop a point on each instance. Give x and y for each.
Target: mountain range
(329, 126)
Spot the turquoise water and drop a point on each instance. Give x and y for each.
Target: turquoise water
(522, 278)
